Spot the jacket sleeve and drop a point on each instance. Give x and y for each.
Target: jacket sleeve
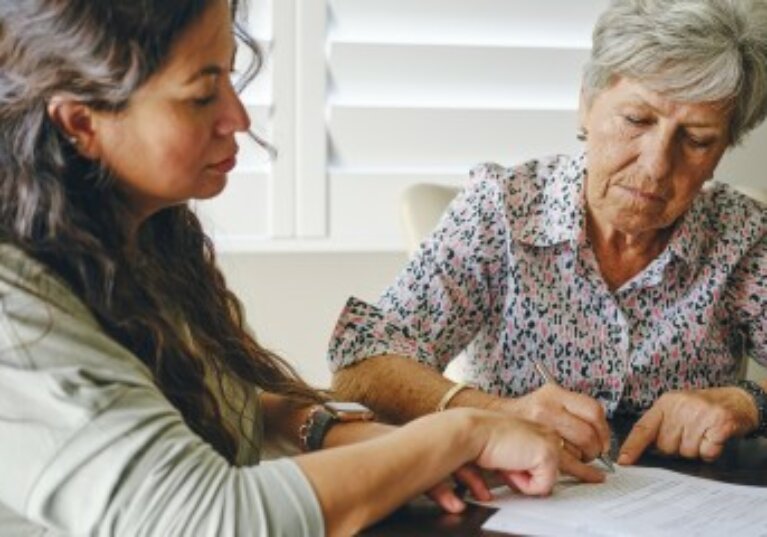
(450, 287)
(89, 445)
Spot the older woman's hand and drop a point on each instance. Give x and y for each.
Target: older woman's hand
(693, 424)
(578, 418)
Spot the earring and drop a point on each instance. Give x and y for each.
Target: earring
(73, 140)
(582, 134)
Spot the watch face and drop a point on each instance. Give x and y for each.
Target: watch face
(349, 410)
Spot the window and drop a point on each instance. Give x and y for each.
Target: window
(366, 97)
(421, 91)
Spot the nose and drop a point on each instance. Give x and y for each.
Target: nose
(234, 116)
(658, 153)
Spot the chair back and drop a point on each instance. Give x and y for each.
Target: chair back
(422, 206)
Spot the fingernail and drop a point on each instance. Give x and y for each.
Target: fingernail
(457, 505)
(623, 458)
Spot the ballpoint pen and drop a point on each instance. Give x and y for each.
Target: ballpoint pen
(604, 458)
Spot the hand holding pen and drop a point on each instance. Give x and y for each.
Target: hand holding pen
(584, 411)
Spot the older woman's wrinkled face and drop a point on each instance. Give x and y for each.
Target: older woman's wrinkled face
(647, 156)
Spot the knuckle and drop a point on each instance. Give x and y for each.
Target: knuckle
(710, 452)
(688, 451)
(583, 440)
(665, 447)
(536, 412)
(675, 398)
(641, 426)
(595, 410)
(729, 427)
(720, 414)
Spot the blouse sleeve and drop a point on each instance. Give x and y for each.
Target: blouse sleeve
(749, 295)
(450, 287)
(89, 445)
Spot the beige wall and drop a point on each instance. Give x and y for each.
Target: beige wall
(293, 299)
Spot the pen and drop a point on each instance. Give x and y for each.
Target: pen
(604, 458)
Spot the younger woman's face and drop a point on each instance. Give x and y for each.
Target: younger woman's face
(175, 140)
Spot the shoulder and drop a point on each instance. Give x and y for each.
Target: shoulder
(24, 279)
(732, 218)
(526, 179)
(45, 327)
(531, 196)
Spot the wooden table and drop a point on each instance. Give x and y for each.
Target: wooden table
(744, 461)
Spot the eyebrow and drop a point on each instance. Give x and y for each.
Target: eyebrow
(210, 70)
(639, 100)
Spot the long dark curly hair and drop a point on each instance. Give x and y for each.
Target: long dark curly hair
(64, 211)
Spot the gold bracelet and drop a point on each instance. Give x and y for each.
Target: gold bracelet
(452, 392)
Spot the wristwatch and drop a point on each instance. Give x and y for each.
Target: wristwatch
(349, 411)
(321, 418)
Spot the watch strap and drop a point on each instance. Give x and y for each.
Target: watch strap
(312, 432)
(759, 396)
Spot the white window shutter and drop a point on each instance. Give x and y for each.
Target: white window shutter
(365, 97)
(422, 90)
(257, 205)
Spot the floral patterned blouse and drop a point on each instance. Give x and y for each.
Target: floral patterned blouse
(509, 275)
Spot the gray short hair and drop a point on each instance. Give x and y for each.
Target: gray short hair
(687, 50)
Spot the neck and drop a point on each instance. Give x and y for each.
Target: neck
(620, 255)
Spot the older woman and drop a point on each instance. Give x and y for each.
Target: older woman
(636, 286)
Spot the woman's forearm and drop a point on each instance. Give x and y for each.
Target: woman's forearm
(283, 418)
(400, 389)
(360, 483)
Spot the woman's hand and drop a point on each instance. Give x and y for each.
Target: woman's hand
(693, 424)
(450, 497)
(527, 451)
(525, 454)
(577, 418)
(444, 493)
(387, 469)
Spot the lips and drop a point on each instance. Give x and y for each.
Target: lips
(650, 196)
(226, 165)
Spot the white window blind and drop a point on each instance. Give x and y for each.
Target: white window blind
(366, 97)
(422, 90)
(363, 98)
(257, 204)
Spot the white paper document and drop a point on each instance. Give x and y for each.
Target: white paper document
(635, 501)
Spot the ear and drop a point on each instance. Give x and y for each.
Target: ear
(584, 103)
(76, 121)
